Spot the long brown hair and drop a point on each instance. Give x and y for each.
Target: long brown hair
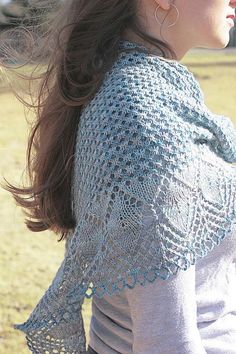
(75, 48)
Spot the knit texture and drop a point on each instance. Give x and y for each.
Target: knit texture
(153, 190)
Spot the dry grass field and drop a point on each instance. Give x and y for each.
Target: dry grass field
(29, 261)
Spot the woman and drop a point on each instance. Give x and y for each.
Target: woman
(138, 175)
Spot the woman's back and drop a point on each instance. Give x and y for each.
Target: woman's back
(192, 310)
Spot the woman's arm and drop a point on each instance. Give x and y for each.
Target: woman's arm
(164, 316)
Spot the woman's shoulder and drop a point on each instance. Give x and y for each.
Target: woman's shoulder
(148, 78)
(144, 91)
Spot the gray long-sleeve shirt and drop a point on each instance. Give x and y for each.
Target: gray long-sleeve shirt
(193, 312)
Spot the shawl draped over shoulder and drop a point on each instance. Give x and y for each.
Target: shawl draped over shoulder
(153, 190)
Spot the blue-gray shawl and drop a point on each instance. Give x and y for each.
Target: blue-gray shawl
(153, 190)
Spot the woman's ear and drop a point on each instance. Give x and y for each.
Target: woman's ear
(164, 4)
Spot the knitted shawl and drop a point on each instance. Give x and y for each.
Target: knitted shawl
(153, 190)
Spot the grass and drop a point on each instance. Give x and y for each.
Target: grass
(29, 261)
(217, 76)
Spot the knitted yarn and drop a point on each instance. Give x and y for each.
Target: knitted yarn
(153, 190)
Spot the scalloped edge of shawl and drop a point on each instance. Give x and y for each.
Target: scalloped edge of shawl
(142, 276)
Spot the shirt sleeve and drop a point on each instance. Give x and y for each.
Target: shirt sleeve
(164, 316)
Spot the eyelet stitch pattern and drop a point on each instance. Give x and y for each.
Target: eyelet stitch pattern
(148, 196)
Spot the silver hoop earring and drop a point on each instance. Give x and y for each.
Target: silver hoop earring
(158, 21)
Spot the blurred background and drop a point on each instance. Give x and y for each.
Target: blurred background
(12, 12)
(29, 261)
